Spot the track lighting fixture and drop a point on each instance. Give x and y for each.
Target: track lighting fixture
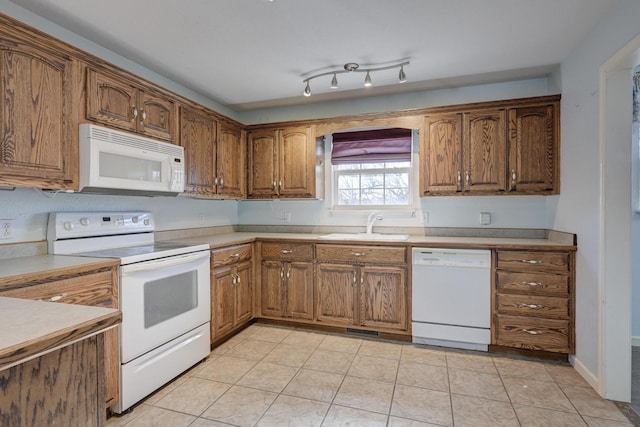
(351, 67)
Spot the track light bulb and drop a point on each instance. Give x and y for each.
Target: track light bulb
(402, 77)
(307, 90)
(367, 80)
(334, 82)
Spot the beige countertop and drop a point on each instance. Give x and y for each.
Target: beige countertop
(32, 328)
(228, 239)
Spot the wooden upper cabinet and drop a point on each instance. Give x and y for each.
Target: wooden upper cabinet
(484, 150)
(113, 100)
(441, 154)
(197, 136)
(263, 164)
(282, 163)
(38, 126)
(297, 162)
(533, 149)
(230, 161)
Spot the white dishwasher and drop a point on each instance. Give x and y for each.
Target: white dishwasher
(451, 297)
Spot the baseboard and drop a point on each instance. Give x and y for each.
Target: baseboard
(635, 341)
(591, 379)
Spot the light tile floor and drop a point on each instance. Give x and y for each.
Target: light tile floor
(273, 376)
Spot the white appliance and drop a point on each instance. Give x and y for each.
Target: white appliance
(451, 297)
(163, 294)
(114, 162)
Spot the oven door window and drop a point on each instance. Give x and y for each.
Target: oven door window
(169, 297)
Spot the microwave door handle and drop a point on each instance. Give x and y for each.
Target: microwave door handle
(157, 264)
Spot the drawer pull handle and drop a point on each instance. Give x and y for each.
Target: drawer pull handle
(532, 306)
(532, 331)
(286, 251)
(56, 298)
(358, 253)
(532, 283)
(234, 255)
(531, 261)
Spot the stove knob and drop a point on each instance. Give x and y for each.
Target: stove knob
(135, 219)
(84, 221)
(146, 222)
(68, 225)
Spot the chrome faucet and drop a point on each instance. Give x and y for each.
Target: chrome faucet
(373, 217)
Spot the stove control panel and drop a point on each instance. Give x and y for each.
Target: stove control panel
(71, 225)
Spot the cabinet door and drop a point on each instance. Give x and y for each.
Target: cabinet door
(272, 288)
(157, 116)
(297, 162)
(244, 293)
(231, 170)
(222, 301)
(263, 166)
(197, 136)
(441, 154)
(111, 101)
(336, 288)
(299, 298)
(37, 125)
(533, 156)
(484, 151)
(383, 297)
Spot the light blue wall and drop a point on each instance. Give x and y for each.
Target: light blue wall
(635, 219)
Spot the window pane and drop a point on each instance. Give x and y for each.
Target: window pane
(372, 196)
(396, 197)
(373, 181)
(397, 180)
(349, 197)
(348, 181)
(372, 165)
(398, 165)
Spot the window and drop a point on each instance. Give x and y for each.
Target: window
(372, 168)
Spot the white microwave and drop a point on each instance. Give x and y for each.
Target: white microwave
(114, 162)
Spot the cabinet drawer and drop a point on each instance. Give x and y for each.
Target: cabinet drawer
(361, 254)
(288, 251)
(90, 289)
(533, 283)
(533, 261)
(231, 255)
(532, 305)
(532, 333)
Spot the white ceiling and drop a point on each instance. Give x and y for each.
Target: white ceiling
(248, 54)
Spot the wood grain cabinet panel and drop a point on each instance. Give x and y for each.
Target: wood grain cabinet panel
(115, 101)
(534, 300)
(197, 136)
(92, 287)
(282, 163)
(230, 162)
(484, 151)
(533, 149)
(441, 154)
(287, 280)
(231, 289)
(358, 285)
(37, 123)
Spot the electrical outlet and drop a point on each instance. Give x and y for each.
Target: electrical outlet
(485, 218)
(286, 217)
(6, 229)
(425, 216)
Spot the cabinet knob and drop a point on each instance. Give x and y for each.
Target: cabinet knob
(144, 116)
(513, 179)
(286, 251)
(134, 113)
(467, 178)
(531, 261)
(459, 179)
(531, 331)
(532, 283)
(532, 306)
(358, 253)
(236, 255)
(221, 180)
(55, 298)
(355, 278)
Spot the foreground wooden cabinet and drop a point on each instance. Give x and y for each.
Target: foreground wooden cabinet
(95, 287)
(534, 300)
(282, 163)
(37, 123)
(113, 100)
(231, 289)
(362, 286)
(287, 280)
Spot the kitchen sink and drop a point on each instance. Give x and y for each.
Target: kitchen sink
(365, 236)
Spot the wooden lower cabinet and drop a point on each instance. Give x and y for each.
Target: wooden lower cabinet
(231, 289)
(63, 387)
(534, 300)
(96, 287)
(287, 289)
(362, 286)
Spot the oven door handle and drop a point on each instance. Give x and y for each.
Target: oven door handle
(164, 262)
